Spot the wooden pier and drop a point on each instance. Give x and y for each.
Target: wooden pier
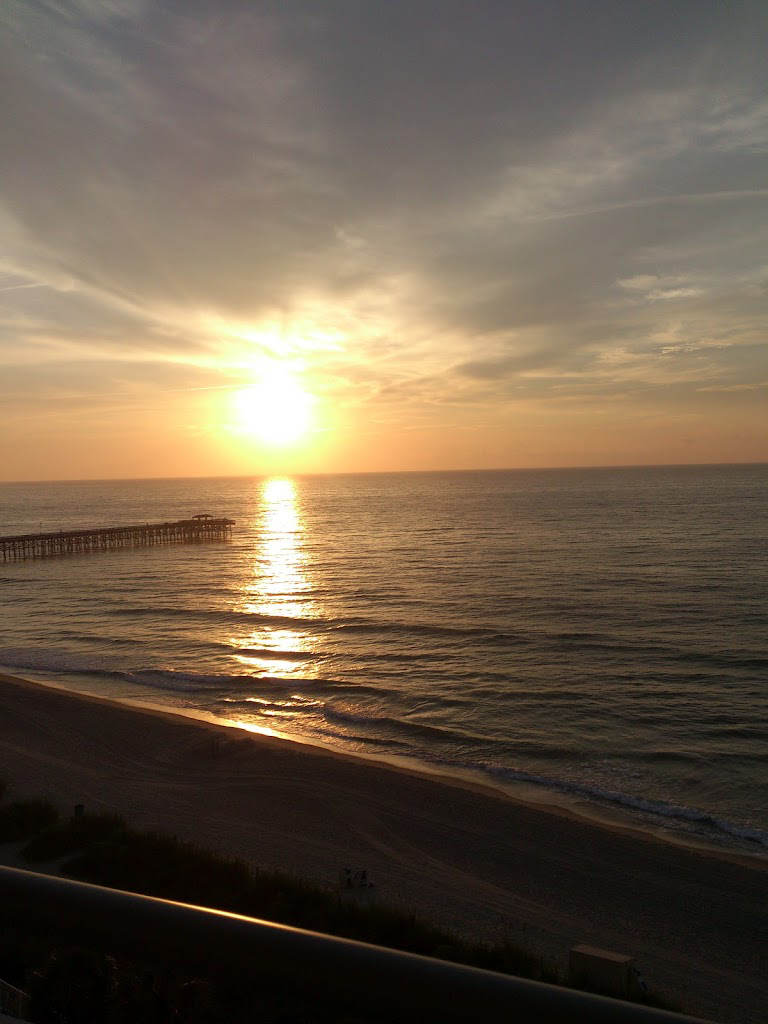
(196, 530)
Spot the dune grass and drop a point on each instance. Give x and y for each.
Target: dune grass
(103, 849)
(25, 818)
(65, 837)
(164, 866)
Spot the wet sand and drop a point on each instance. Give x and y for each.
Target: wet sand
(488, 866)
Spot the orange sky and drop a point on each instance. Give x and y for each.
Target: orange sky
(309, 238)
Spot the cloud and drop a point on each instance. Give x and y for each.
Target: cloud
(473, 203)
(655, 288)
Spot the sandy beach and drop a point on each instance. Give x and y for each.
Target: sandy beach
(485, 865)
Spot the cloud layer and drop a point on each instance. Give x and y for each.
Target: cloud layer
(444, 213)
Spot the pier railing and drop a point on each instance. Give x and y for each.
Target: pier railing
(326, 970)
(70, 542)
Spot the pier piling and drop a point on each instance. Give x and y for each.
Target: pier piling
(196, 530)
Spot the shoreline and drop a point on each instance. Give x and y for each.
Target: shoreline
(465, 857)
(571, 806)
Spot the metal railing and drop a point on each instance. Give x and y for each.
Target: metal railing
(13, 1001)
(326, 968)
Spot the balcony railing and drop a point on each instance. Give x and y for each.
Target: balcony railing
(13, 1001)
(327, 969)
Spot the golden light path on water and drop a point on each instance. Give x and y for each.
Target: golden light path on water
(276, 589)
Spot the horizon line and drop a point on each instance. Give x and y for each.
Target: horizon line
(390, 472)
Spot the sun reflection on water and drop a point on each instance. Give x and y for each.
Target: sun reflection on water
(279, 589)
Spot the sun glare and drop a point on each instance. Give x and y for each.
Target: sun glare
(276, 410)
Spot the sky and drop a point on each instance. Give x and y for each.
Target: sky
(284, 236)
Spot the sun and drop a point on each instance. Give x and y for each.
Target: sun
(276, 410)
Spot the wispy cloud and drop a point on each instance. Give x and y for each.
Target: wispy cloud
(422, 206)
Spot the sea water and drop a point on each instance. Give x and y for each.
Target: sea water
(595, 636)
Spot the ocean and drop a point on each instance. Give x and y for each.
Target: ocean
(589, 637)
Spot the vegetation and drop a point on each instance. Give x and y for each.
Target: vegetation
(104, 850)
(66, 837)
(170, 868)
(25, 818)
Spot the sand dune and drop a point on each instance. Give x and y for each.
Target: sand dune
(481, 863)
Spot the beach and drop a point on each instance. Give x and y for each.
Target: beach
(485, 865)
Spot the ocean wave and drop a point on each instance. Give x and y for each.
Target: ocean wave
(737, 732)
(367, 741)
(338, 687)
(386, 721)
(412, 729)
(656, 808)
(664, 653)
(399, 656)
(50, 660)
(219, 615)
(294, 703)
(710, 758)
(270, 653)
(59, 663)
(681, 756)
(188, 682)
(719, 659)
(111, 641)
(385, 628)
